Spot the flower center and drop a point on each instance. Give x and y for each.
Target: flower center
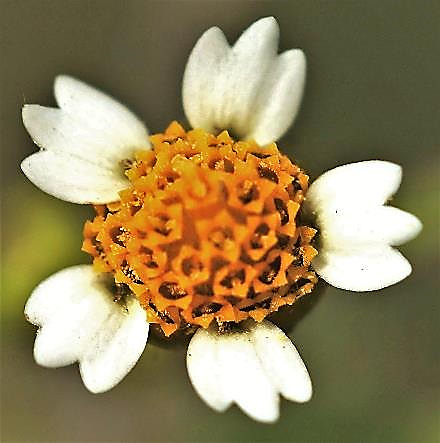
(207, 231)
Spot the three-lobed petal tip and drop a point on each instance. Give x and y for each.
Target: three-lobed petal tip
(248, 87)
(82, 143)
(357, 230)
(79, 322)
(250, 368)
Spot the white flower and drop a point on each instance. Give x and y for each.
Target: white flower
(252, 90)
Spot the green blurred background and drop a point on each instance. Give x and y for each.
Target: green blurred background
(372, 93)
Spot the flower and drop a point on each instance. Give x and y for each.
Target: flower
(198, 231)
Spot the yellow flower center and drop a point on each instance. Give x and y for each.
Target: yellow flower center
(207, 231)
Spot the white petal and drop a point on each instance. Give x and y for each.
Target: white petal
(370, 269)
(89, 128)
(356, 231)
(281, 362)
(278, 103)
(245, 87)
(79, 321)
(72, 179)
(115, 349)
(101, 113)
(224, 368)
(204, 370)
(356, 184)
(200, 76)
(245, 379)
(241, 76)
(249, 368)
(364, 226)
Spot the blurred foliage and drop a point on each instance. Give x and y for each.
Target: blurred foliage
(372, 92)
(43, 234)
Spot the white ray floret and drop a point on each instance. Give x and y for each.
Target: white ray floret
(83, 143)
(250, 368)
(248, 87)
(356, 230)
(80, 322)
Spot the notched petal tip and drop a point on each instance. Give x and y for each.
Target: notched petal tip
(268, 22)
(66, 87)
(61, 80)
(279, 101)
(33, 120)
(294, 60)
(102, 366)
(282, 362)
(415, 227)
(210, 36)
(404, 226)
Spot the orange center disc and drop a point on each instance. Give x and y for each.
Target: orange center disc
(207, 231)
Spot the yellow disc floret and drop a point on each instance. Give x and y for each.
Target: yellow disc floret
(207, 231)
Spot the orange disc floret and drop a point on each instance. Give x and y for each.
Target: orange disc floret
(207, 231)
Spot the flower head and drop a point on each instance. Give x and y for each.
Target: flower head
(207, 231)
(204, 232)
